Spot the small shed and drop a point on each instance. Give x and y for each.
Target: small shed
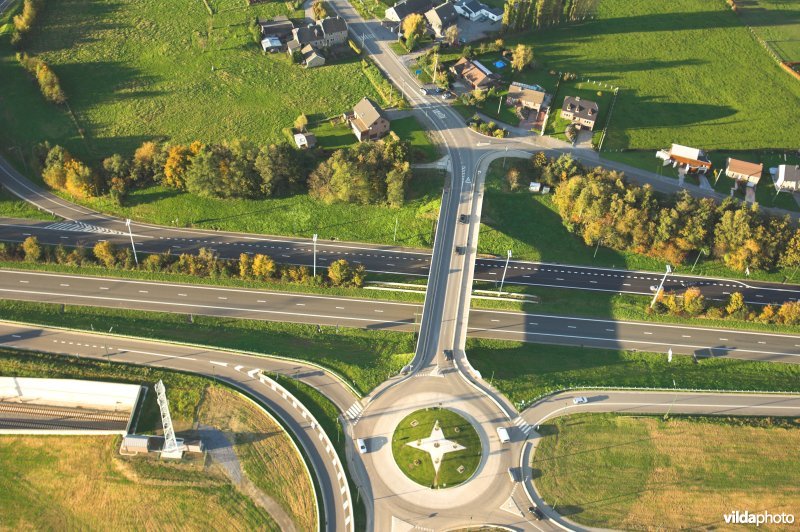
(271, 44)
(135, 444)
(305, 140)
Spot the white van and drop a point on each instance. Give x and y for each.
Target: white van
(362, 446)
(502, 433)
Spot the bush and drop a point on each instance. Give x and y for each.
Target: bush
(46, 78)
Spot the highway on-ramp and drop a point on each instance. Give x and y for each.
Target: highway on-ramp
(239, 370)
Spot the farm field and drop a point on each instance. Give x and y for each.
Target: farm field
(775, 21)
(689, 72)
(625, 472)
(75, 474)
(135, 71)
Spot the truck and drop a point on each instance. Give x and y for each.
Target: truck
(502, 433)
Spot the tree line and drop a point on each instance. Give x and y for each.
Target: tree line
(205, 263)
(23, 22)
(376, 172)
(691, 303)
(519, 15)
(601, 207)
(48, 82)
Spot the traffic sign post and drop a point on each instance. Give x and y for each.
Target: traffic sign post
(314, 238)
(128, 224)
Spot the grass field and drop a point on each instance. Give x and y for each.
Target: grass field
(418, 466)
(364, 357)
(134, 71)
(689, 72)
(775, 21)
(531, 227)
(11, 207)
(258, 441)
(524, 372)
(625, 472)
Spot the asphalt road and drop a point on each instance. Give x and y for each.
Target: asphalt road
(239, 370)
(375, 314)
(403, 261)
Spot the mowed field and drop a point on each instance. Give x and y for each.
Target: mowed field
(689, 72)
(775, 21)
(143, 69)
(642, 473)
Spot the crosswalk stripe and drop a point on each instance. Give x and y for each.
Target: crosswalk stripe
(80, 227)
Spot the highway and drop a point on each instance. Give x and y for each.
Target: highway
(395, 260)
(239, 370)
(392, 315)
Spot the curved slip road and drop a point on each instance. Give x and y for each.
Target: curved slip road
(239, 370)
(319, 309)
(642, 402)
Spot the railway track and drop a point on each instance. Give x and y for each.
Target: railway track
(41, 417)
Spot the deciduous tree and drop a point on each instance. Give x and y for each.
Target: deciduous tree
(522, 57)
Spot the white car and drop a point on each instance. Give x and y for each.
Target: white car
(654, 288)
(580, 401)
(362, 446)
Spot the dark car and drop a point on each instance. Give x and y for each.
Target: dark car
(448, 354)
(464, 218)
(536, 513)
(461, 250)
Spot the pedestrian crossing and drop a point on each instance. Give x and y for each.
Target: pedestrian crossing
(354, 412)
(80, 227)
(523, 426)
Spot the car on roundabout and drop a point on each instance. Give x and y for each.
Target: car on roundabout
(580, 401)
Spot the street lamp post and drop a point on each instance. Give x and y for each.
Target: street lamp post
(702, 252)
(314, 238)
(661, 285)
(396, 221)
(503, 280)
(128, 223)
(504, 158)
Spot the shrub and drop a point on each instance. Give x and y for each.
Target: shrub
(32, 249)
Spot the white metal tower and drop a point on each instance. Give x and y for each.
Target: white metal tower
(170, 444)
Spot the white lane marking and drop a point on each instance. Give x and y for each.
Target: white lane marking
(223, 364)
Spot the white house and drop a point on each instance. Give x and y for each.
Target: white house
(787, 177)
(492, 13)
(472, 9)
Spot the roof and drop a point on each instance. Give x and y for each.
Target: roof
(407, 7)
(496, 11)
(472, 5)
(305, 138)
(686, 152)
(270, 42)
(135, 441)
(745, 167)
(367, 113)
(444, 14)
(527, 94)
(279, 26)
(584, 109)
(333, 25)
(472, 71)
(308, 34)
(789, 172)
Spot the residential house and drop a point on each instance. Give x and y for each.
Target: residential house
(582, 113)
(744, 171)
(472, 9)
(305, 140)
(279, 27)
(368, 120)
(787, 177)
(477, 76)
(690, 159)
(495, 14)
(441, 17)
(404, 8)
(326, 33)
(311, 58)
(528, 96)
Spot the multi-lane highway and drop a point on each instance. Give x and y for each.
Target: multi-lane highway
(375, 314)
(402, 261)
(239, 370)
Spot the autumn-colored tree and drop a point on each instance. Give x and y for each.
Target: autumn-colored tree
(789, 313)
(32, 249)
(694, 303)
(264, 267)
(514, 179)
(521, 57)
(451, 35)
(768, 314)
(736, 306)
(301, 122)
(339, 273)
(54, 173)
(178, 160)
(105, 252)
(413, 27)
(245, 266)
(81, 180)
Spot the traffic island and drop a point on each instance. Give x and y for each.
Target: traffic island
(436, 447)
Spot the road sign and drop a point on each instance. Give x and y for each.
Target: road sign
(418, 72)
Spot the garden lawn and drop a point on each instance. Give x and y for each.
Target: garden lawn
(689, 72)
(363, 357)
(602, 96)
(418, 466)
(625, 472)
(135, 71)
(530, 226)
(524, 372)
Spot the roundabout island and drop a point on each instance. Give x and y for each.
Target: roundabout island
(436, 448)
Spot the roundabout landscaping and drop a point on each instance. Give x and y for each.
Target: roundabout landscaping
(436, 447)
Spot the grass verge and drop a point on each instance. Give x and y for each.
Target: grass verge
(625, 472)
(524, 372)
(12, 207)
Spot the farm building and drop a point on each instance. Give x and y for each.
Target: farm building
(582, 113)
(690, 159)
(744, 171)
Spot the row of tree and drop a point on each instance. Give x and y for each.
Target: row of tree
(367, 173)
(23, 22)
(519, 15)
(45, 77)
(602, 208)
(205, 263)
(692, 303)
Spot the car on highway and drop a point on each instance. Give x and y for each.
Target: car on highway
(464, 218)
(580, 401)
(537, 513)
(362, 446)
(502, 433)
(461, 250)
(654, 288)
(448, 354)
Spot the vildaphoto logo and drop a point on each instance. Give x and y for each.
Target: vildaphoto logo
(758, 519)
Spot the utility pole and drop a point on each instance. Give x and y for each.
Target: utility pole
(396, 221)
(597, 248)
(314, 238)
(702, 252)
(660, 286)
(675, 398)
(503, 280)
(506, 155)
(435, 67)
(128, 223)
(499, 104)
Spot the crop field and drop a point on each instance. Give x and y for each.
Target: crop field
(134, 71)
(625, 472)
(689, 72)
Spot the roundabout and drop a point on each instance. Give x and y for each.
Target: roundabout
(436, 447)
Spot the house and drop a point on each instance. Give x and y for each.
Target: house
(528, 96)
(305, 140)
(743, 171)
(328, 32)
(311, 58)
(368, 120)
(690, 159)
(495, 14)
(279, 27)
(477, 76)
(470, 8)
(582, 113)
(271, 44)
(404, 8)
(335, 30)
(787, 177)
(441, 17)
